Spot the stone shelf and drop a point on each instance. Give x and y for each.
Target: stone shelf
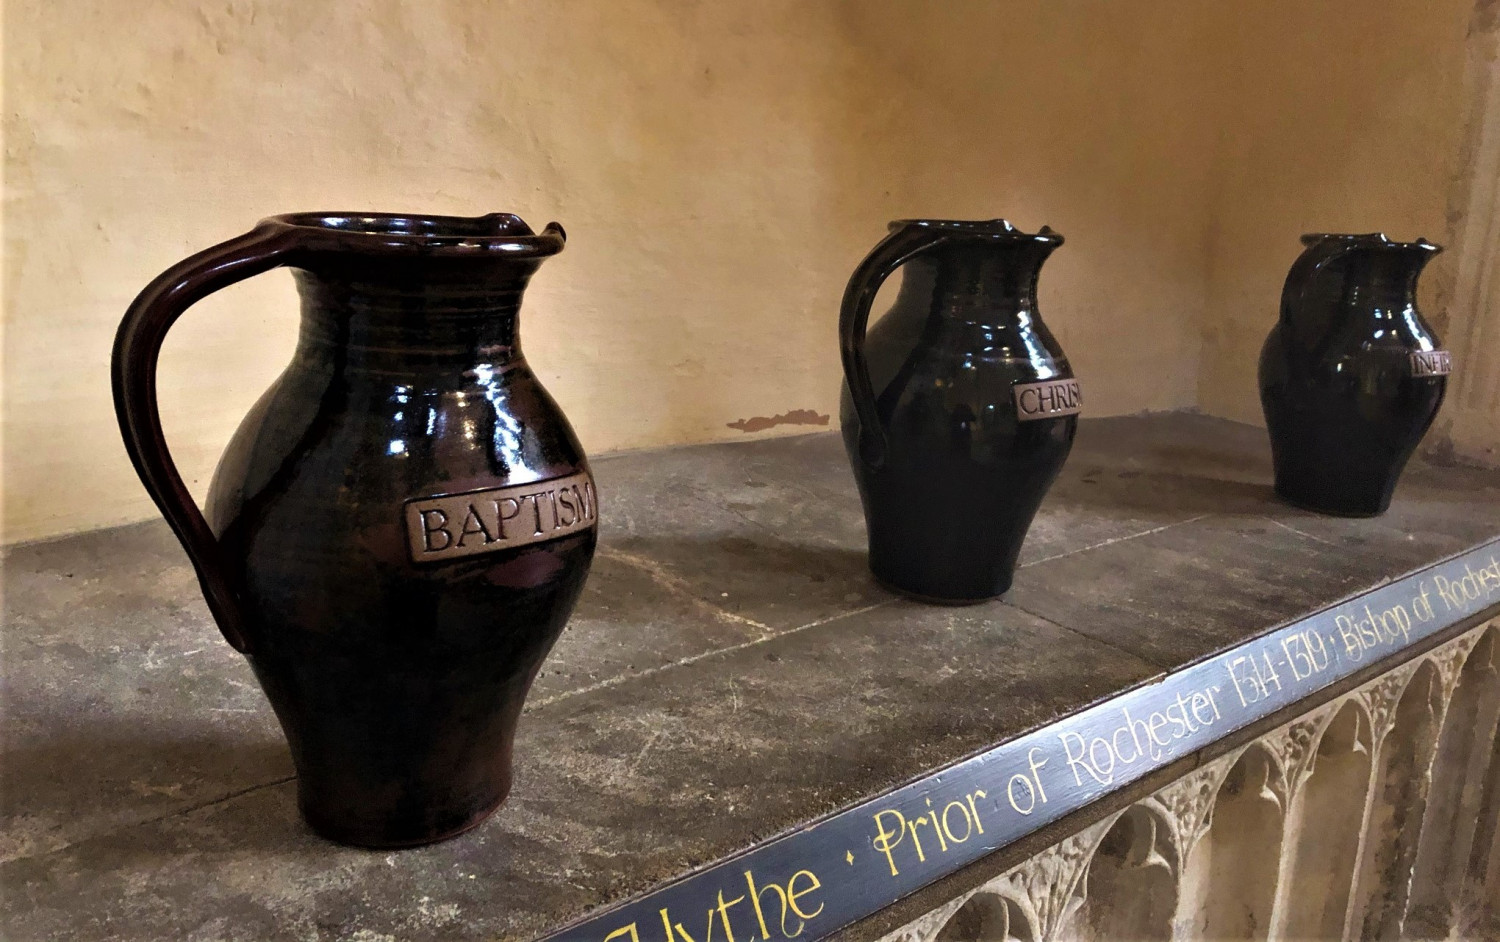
(732, 674)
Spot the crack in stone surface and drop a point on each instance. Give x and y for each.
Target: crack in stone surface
(679, 587)
(1113, 540)
(619, 679)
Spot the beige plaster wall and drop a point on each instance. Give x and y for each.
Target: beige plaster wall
(720, 168)
(1339, 116)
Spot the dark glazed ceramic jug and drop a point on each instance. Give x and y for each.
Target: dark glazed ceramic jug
(959, 408)
(1351, 376)
(399, 529)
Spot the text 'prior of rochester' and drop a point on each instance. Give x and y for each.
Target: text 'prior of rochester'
(439, 528)
(1047, 399)
(1431, 363)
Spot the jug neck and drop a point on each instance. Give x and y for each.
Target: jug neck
(404, 322)
(411, 294)
(1383, 281)
(981, 282)
(1367, 276)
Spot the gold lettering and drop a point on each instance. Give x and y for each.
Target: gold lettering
(1156, 723)
(968, 824)
(1136, 728)
(627, 930)
(1115, 743)
(1010, 794)
(883, 842)
(1033, 783)
(1075, 761)
(912, 827)
(937, 826)
(1352, 645)
(1186, 722)
(666, 922)
(1199, 701)
(792, 893)
(1109, 772)
(760, 916)
(978, 825)
(724, 915)
(1036, 776)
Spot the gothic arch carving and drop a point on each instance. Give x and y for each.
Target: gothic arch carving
(1381, 696)
(987, 916)
(1186, 805)
(1313, 775)
(1051, 885)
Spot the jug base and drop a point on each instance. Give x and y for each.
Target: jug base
(372, 840)
(1351, 511)
(915, 596)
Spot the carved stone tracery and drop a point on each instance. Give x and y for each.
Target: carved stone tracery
(1050, 889)
(1187, 804)
(1449, 661)
(1381, 697)
(1052, 883)
(1292, 747)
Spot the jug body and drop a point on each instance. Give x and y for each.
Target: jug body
(971, 406)
(403, 523)
(1351, 376)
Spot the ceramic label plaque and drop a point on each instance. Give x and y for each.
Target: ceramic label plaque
(1431, 363)
(1047, 399)
(454, 525)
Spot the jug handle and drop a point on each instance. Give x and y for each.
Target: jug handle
(1303, 275)
(133, 374)
(890, 254)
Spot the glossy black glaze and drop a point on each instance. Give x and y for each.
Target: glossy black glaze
(398, 684)
(1342, 405)
(949, 476)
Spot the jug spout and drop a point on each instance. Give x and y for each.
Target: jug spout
(985, 270)
(435, 243)
(1366, 269)
(1384, 254)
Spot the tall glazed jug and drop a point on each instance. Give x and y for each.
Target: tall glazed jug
(959, 407)
(400, 527)
(1351, 376)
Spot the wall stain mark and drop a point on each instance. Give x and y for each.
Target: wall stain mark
(760, 423)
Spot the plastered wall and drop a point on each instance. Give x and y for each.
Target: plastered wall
(1341, 116)
(720, 168)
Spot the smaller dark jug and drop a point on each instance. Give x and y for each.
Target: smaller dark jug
(958, 409)
(398, 530)
(1351, 376)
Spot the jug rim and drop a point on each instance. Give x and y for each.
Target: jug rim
(995, 228)
(503, 234)
(1374, 239)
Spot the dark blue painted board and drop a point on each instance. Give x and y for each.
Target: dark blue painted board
(814, 881)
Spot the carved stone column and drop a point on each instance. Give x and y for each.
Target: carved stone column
(1469, 308)
(1359, 778)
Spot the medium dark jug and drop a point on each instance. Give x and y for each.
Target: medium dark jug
(1351, 376)
(401, 525)
(958, 409)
